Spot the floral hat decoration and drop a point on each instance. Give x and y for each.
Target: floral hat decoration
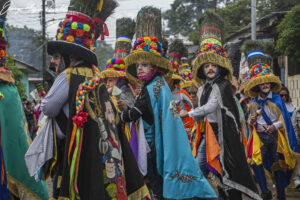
(5, 72)
(78, 32)
(260, 72)
(211, 49)
(177, 50)
(187, 76)
(115, 67)
(150, 50)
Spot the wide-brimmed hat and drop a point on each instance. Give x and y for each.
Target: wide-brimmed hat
(211, 49)
(187, 76)
(115, 68)
(149, 50)
(260, 72)
(75, 36)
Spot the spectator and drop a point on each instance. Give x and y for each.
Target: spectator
(31, 120)
(24, 101)
(285, 95)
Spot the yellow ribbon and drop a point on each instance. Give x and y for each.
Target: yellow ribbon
(100, 5)
(124, 40)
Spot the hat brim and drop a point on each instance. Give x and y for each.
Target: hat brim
(176, 77)
(162, 63)
(261, 80)
(186, 84)
(112, 74)
(214, 58)
(6, 76)
(69, 48)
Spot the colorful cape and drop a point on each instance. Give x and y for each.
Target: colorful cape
(288, 145)
(15, 144)
(182, 177)
(235, 172)
(106, 167)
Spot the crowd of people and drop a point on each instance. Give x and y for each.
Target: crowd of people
(149, 126)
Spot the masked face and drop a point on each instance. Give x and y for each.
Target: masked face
(143, 68)
(110, 83)
(55, 61)
(265, 88)
(210, 70)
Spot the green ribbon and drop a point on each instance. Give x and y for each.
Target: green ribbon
(73, 165)
(208, 40)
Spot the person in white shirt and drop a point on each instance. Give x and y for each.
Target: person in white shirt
(285, 95)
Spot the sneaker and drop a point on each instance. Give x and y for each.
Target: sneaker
(266, 196)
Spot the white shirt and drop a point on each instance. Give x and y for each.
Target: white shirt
(290, 107)
(261, 123)
(57, 100)
(209, 110)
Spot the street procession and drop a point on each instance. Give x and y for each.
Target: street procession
(149, 100)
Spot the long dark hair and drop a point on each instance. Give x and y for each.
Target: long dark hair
(288, 98)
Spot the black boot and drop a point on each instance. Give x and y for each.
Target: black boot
(266, 196)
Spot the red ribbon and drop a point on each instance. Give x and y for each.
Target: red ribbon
(176, 55)
(105, 29)
(123, 51)
(210, 28)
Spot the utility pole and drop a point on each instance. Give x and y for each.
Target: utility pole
(44, 39)
(253, 19)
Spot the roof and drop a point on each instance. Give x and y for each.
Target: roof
(25, 67)
(266, 19)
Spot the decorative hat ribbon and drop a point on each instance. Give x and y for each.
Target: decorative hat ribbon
(124, 39)
(3, 33)
(175, 54)
(254, 53)
(105, 31)
(211, 28)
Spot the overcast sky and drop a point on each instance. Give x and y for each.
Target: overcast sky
(26, 12)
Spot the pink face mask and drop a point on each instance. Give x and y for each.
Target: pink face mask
(149, 75)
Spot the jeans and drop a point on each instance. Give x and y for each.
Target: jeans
(201, 151)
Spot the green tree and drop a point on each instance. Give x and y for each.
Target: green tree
(265, 7)
(17, 75)
(184, 14)
(236, 15)
(289, 34)
(104, 52)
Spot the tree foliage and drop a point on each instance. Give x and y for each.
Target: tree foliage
(289, 34)
(236, 15)
(103, 52)
(265, 7)
(17, 75)
(183, 15)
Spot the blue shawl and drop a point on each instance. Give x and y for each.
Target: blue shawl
(182, 178)
(276, 99)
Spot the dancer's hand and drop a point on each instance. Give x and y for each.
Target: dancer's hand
(253, 119)
(270, 129)
(183, 113)
(109, 90)
(122, 105)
